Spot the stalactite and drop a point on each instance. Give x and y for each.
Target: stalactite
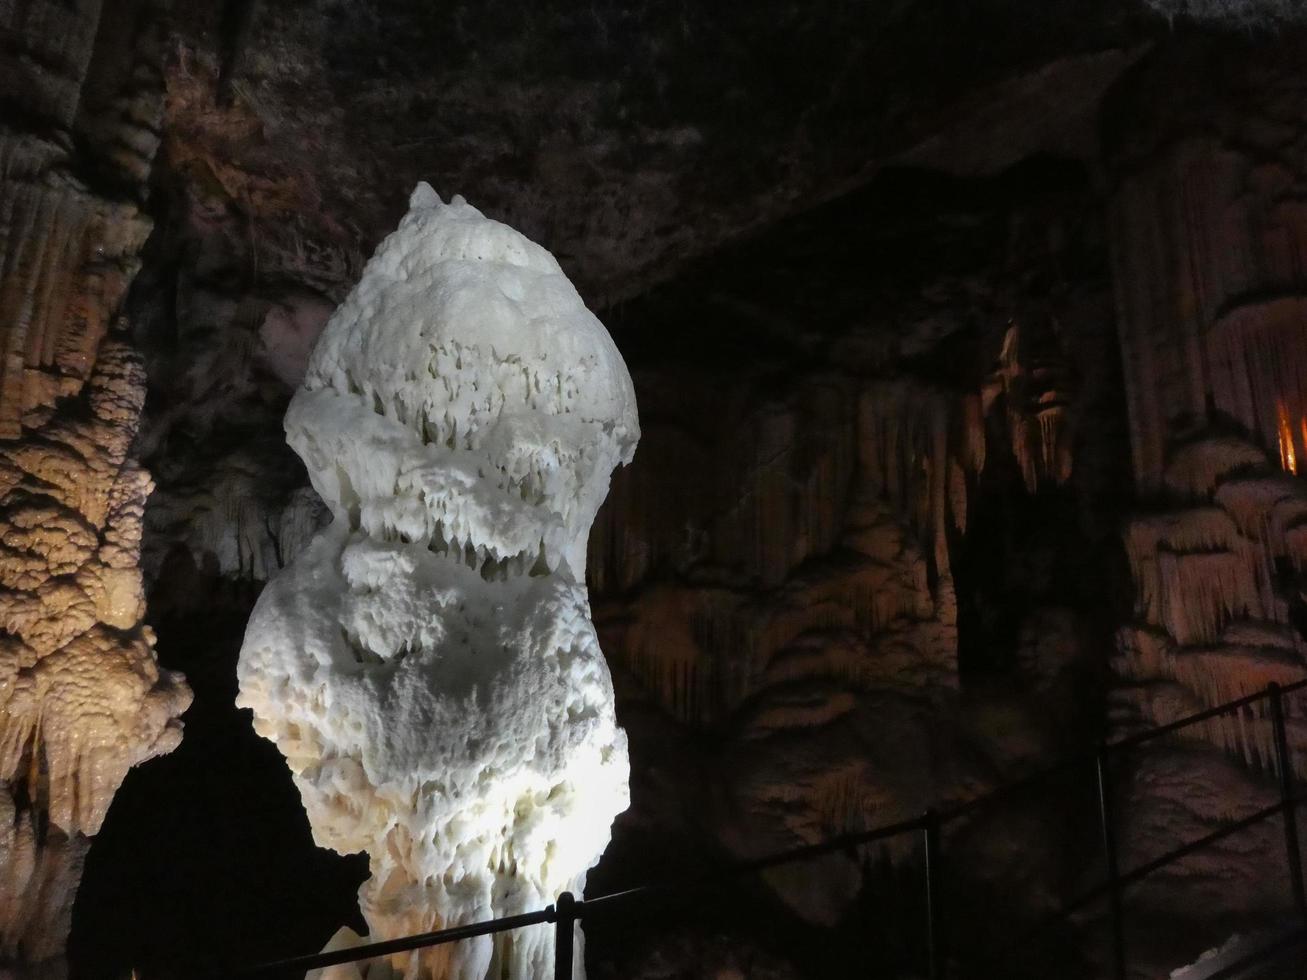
(847, 536)
(1258, 362)
(907, 459)
(1032, 380)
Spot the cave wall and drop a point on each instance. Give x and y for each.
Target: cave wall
(1205, 149)
(779, 575)
(898, 488)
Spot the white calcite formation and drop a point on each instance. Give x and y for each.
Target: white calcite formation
(427, 665)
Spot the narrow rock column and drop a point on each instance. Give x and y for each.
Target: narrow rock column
(81, 696)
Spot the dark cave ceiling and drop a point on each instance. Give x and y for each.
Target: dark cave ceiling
(628, 136)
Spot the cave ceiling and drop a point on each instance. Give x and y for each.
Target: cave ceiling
(630, 136)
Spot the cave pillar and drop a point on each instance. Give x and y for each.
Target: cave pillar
(81, 696)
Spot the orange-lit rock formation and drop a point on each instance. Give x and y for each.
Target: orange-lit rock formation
(1032, 378)
(82, 698)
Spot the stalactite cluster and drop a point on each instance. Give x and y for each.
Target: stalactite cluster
(865, 554)
(1033, 379)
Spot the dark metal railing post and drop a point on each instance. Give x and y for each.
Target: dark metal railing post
(564, 933)
(1109, 857)
(1284, 765)
(934, 897)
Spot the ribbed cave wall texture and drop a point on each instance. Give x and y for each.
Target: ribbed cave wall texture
(972, 372)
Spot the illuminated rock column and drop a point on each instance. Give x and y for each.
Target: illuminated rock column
(427, 665)
(81, 696)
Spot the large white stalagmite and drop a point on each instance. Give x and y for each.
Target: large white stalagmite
(427, 665)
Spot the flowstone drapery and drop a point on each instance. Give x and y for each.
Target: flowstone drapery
(428, 666)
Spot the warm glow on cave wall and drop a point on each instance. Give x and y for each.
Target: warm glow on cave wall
(1288, 452)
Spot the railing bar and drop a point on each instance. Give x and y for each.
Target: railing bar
(937, 945)
(1221, 709)
(566, 914)
(421, 941)
(1067, 910)
(1114, 883)
(616, 898)
(731, 872)
(1197, 845)
(842, 843)
(1284, 763)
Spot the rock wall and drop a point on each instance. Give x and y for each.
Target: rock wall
(1211, 288)
(1209, 242)
(81, 696)
(1209, 162)
(226, 314)
(775, 575)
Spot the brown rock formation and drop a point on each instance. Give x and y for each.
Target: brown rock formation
(1032, 378)
(1212, 290)
(1209, 239)
(778, 569)
(81, 696)
(1212, 605)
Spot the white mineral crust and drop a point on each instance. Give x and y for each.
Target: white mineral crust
(427, 665)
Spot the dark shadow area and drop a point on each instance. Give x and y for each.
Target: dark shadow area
(205, 862)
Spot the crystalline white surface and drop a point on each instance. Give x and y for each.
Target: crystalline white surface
(427, 665)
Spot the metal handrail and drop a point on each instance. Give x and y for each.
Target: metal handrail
(316, 961)
(1130, 741)
(568, 910)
